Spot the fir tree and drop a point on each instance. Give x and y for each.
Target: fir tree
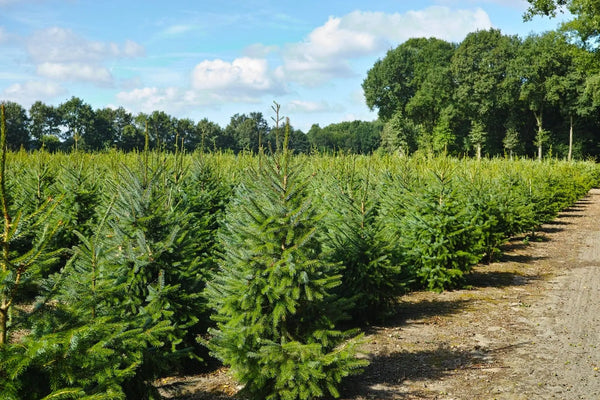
(150, 228)
(355, 239)
(24, 240)
(82, 343)
(511, 141)
(272, 296)
(477, 136)
(439, 239)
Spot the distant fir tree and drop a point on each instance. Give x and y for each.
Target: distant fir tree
(272, 297)
(511, 141)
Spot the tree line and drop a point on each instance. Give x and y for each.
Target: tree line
(74, 124)
(491, 94)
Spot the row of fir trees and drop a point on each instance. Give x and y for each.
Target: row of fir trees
(117, 269)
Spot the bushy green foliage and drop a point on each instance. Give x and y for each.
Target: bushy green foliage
(439, 239)
(497, 204)
(355, 239)
(272, 297)
(115, 251)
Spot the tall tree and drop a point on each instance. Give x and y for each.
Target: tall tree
(477, 136)
(161, 130)
(399, 135)
(185, 129)
(17, 126)
(77, 121)
(45, 121)
(432, 97)
(585, 24)
(567, 90)
(105, 130)
(209, 136)
(539, 65)
(248, 131)
(126, 136)
(479, 69)
(393, 81)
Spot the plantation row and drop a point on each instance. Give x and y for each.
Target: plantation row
(118, 269)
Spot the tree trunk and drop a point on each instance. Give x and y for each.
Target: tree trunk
(478, 151)
(538, 119)
(570, 140)
(3, 323)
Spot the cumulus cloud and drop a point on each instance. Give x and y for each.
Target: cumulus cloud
(62, 54)
(325, 53)
(75, 72)
(327, 50)
(63, 45)
(171, 99)
(31, 91)
(243, 77)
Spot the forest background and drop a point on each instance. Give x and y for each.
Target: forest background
(491, 94)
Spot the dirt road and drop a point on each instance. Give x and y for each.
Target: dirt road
(527, 328)
(564, 359)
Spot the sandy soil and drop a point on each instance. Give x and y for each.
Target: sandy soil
(528, 327)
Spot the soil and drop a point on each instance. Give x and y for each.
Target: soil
(527, 327)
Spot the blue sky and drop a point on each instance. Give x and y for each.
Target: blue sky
(212, 59)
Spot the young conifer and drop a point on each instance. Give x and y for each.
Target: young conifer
(355, 239)
(23, 242)
(272, 296)
(150, 228)
(440, 240)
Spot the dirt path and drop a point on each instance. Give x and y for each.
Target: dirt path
(564, 359)
(528, 328)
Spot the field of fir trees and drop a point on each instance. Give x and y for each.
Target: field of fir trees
(121, 268)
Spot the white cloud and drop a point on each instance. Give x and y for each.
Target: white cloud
(75, 72)
(63, 45)
(310, 106)
(243, 77)
(63, 55)
(328, 49)
(325, 52)
(440, 22)
(518, 4)
(29, 92)
(172, 99)
(131, 49)
(179, 29)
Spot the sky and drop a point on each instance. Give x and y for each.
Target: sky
(213, 59)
